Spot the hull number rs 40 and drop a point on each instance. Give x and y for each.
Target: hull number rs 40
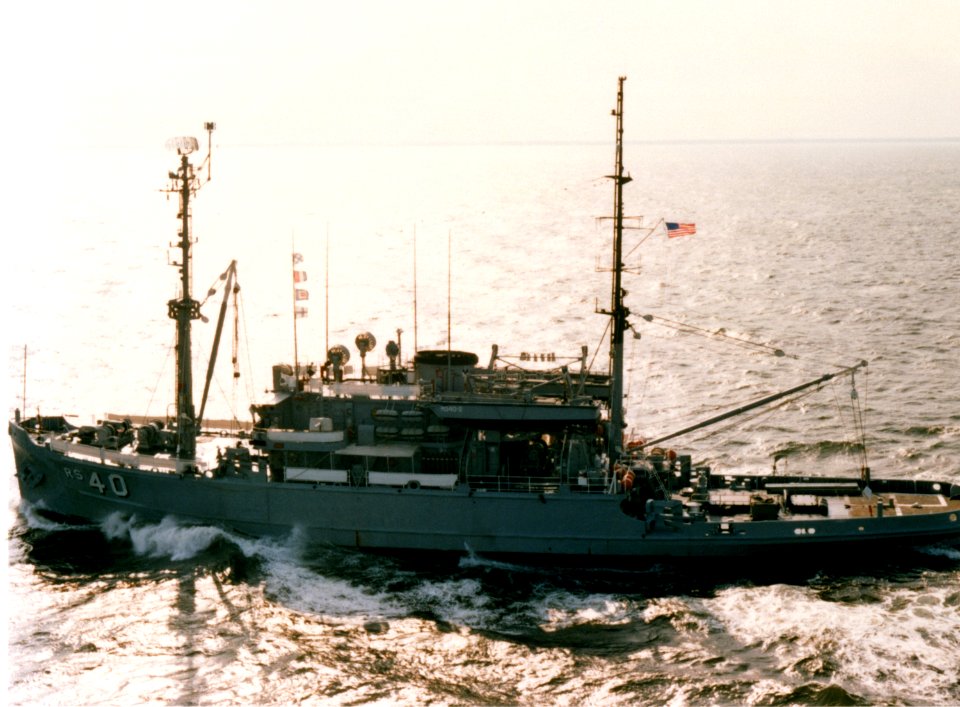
(115, 483)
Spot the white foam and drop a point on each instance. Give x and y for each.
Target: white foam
(606, 611)
(287, 580)
(301, 589)
(937, 550)
(166, 539)
(904, 646)
(471, 560)
(680, 614)
(457, 601)
(35, 521)
(558, 610)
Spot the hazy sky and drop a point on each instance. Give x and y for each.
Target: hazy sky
(100, 72)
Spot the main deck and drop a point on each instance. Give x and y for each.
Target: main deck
(851, 504)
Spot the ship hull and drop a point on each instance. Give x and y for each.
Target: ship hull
(565, 525)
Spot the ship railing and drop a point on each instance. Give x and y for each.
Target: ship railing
(403, 391)
(593, 484)
(529, 484)
(118, 458)
(533, 484)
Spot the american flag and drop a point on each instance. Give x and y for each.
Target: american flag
(675, 230)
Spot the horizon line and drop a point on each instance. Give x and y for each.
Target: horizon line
(558, 143)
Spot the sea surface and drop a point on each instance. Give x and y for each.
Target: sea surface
(830, 252)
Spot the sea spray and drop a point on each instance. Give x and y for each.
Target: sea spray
(166, 539)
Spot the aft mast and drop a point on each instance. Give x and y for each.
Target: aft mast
(618, 311)
(185, 309)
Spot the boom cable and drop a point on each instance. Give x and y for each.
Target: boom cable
(718, 335)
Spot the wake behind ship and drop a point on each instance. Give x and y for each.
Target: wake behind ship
(443, 453)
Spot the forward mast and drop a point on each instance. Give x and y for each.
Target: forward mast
(183, 310)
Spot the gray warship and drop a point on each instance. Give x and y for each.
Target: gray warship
(445, 454)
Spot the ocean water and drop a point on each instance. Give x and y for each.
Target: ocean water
(831, 252)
